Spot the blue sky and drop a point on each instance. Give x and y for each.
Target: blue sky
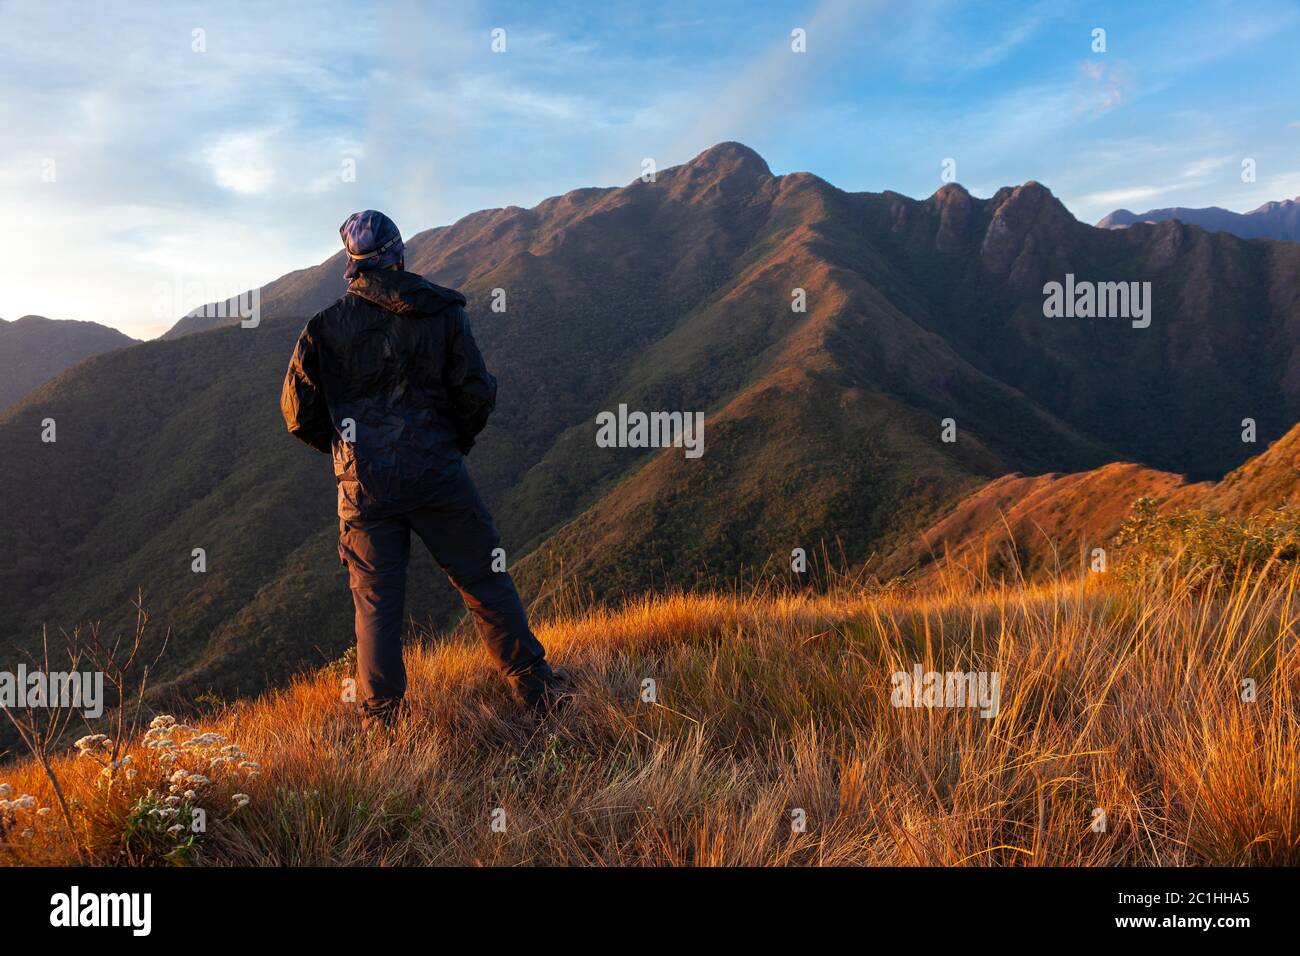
(145, 175)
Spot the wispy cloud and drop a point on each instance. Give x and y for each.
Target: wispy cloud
(1203, 167)
(1104, 86)
(776, 81)
(1133, 194)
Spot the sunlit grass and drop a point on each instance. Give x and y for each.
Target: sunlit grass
(1117, 699)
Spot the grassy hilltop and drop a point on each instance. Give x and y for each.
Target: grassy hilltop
(1120, 696)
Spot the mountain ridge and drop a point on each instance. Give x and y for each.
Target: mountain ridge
(1024, 524)
(1276, 219)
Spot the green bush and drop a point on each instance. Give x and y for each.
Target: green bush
(1195, 539)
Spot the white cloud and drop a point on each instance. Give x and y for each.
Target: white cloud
(1203, 167)
(239, 163)
(1132, 194)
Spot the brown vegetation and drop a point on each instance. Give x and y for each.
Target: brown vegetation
(1122, 699)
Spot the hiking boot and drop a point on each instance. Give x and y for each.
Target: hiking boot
(382, 719)
(543, 690)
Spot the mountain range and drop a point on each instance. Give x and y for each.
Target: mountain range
(34, 349)
(922, 321)
(1273, 220)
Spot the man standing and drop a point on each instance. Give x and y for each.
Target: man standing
(388, 380)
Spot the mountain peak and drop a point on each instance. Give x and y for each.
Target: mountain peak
(1274, 205)
(1020, 213)
(723, 171)
(956, 212)
(1119, 219)
(951, 192)
(1031, 199)
(731, 157)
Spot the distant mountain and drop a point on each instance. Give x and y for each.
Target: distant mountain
(823, 425)
(34, 349)
(1273, 220)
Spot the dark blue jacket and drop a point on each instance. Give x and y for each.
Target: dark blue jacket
(393, 367)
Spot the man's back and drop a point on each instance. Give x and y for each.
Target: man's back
(405, 390)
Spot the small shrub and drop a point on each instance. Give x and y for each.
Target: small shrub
(1188, 539)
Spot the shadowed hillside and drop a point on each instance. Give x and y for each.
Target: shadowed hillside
(34, 349)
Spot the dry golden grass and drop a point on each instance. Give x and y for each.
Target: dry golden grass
(1127, 699)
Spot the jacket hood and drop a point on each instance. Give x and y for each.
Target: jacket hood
(403, 292)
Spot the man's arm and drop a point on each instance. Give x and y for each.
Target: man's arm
(301, 402)
(472, 387)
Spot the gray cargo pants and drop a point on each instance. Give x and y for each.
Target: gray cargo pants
(460, 534)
